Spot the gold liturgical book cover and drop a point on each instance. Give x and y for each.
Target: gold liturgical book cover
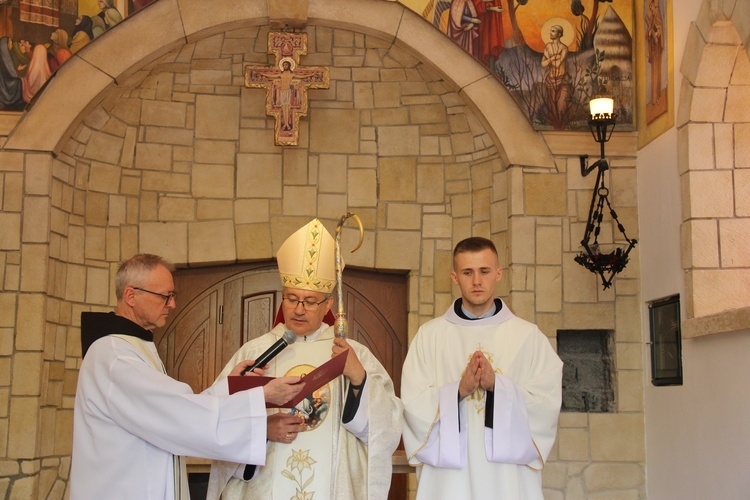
(312, 381)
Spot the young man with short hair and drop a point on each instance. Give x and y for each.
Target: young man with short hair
(482, 390)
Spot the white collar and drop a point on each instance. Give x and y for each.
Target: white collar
(312, 337)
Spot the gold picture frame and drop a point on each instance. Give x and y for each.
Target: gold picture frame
(655, 69)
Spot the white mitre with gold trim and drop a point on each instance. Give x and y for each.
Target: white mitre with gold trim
(307, 259)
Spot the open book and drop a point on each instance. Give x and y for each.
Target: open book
(312, 381)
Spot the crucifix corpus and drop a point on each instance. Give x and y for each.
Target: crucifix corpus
(286, 83)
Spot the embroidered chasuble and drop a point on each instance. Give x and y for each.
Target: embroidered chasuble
(330, 460)
(457, 454)
(305, 464)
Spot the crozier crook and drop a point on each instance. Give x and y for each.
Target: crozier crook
(340, 326)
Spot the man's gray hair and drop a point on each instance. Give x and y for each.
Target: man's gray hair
(134, 271)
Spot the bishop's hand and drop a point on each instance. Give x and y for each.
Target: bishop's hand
(242, 365)
(283, 427)
(353, 368)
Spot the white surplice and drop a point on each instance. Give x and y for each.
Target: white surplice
(332, 460)
(455, 454)
(130, 420)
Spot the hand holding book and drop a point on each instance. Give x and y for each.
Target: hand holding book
(310, 382)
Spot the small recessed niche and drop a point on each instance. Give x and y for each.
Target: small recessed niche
(589, 370)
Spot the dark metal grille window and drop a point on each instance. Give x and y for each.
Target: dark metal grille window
(666, 342)
(588, 370)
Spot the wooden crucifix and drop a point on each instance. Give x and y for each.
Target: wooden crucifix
(286, 83)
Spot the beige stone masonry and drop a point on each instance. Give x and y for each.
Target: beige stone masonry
(212, 181)
(709, 192)
(362, 188)
(734, 243)
(611, 437)
(716, 290)
(169, 240)
(211, 209)
(22, 427)
(398, 179)
(742, 146)
(216, 117)
(716, 65)
(741, 72)
(34, 268)
(405, 146)
(10, 236)
(176, 208)
(711, 290)
(545, 194)
(403, 216)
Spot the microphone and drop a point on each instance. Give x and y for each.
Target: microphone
(288, 338)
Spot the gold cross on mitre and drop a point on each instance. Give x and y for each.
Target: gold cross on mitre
(286, 83)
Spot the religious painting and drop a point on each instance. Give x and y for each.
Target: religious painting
(666, 341)
(553, 56)
(38, 36)
(286, 83)
(655, 68)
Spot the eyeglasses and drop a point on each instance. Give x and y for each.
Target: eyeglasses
(167, 297)
(308, 305)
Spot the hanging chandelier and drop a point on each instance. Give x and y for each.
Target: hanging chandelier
(594, 257)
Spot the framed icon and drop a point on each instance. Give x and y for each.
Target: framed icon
(666, 342)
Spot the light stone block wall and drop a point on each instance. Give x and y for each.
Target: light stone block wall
(714, 158)
(179, 160)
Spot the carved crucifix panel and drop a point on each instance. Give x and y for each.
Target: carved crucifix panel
(286, 83)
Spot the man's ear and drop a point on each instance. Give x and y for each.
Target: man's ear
(128, 296)
(499, 273)
(454, 277)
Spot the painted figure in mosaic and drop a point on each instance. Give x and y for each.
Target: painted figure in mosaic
(553, 61)
(132, 421)
(108, 17)
(491, 36)
(37, 72)
(10, 82)
(655, 47)
(58, 51)
(463, 25)
(338, 442)
(82, 34)
(21, 54)
(482, 390)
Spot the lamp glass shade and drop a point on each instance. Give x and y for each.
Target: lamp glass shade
(601, 106)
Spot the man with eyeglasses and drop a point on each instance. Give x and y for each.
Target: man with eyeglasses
(339, 442)
(132, 422)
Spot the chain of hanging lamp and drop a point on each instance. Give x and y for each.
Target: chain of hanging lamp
(606, 265)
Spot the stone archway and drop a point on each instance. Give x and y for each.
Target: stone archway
(169, 24)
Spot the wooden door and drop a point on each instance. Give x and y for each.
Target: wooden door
(220, 308)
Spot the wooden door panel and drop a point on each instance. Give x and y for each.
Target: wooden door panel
(231, 321)
(190, 367)
(369, 327)
(185, 342)
(259, 311)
